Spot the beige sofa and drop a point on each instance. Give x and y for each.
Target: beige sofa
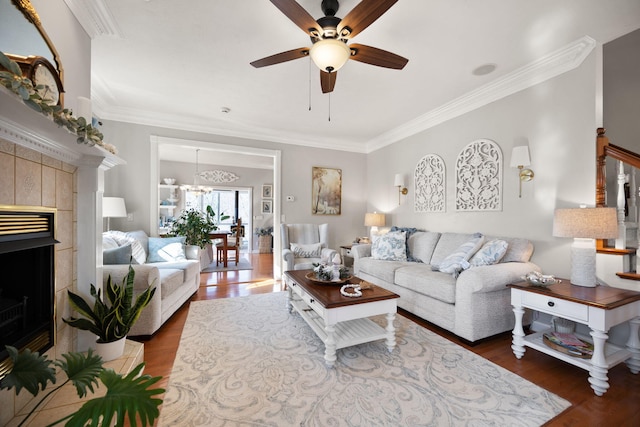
(474, 305)
(176, 280)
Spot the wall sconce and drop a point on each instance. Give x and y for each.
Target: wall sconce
(520, 159)
(399, 182)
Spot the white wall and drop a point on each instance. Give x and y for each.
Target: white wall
(622, 91)
(132, 181)
(555, 118)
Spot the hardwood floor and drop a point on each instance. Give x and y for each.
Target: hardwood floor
(618, 407)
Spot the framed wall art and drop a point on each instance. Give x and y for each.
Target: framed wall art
(267, 206)
(326, 191)
(267, 191)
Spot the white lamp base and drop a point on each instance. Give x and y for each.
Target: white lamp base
(583, 262)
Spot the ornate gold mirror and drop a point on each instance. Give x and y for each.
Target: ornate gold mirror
(22, 34)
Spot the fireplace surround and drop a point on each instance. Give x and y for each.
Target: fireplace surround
(27, 288)
(42, 165)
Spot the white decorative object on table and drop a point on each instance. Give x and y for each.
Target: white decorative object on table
(357, 291)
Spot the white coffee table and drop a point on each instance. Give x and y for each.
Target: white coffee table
(341, 321)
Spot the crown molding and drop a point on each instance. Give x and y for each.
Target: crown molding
(95, 17)
(558, 62)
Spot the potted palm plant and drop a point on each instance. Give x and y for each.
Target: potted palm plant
(110, 320)
(127, 397)
(195, 226)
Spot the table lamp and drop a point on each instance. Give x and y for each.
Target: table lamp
(374, 220)
(585, 225)
(113, 207)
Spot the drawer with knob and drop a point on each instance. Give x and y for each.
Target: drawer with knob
(556, 306)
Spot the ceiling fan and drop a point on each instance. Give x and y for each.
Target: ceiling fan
(330, 35)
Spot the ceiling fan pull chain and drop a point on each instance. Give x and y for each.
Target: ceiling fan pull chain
(329, 106)
(309, 83)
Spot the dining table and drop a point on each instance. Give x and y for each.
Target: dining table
(222, 235)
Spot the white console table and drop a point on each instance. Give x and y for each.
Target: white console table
(599, 308)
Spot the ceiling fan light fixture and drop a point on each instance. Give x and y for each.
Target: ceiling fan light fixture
(330, 54)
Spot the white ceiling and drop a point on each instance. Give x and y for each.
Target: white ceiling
(178, 63)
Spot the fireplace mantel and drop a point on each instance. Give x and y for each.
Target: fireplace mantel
(23, 126)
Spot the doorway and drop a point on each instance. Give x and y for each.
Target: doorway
(272, 156)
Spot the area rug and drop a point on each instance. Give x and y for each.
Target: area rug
(247, 361)
(231, 266)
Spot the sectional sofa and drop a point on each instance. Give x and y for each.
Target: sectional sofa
(456, 281)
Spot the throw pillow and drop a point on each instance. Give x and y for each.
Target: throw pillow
(490, 253)
(458, 260)
(409, 231)
(119, 255)
(312, 250)
(122, 238)
(390, 246)
(166, 249)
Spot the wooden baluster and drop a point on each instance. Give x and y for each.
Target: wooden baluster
(621, 241)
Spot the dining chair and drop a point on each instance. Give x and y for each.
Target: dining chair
(234, 241)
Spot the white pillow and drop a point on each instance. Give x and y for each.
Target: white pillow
(390, 246)
(490, 253)
(458, 260)
(121, 238)
(312, 250)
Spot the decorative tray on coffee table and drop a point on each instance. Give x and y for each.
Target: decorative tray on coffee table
(312, 276)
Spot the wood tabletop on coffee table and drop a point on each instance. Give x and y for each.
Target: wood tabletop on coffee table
(329, 296)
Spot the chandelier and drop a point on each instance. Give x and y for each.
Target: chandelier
(196, 189)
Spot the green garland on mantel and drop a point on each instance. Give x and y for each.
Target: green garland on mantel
(11, 78)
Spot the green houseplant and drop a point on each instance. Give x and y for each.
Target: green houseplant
(110, 320)
(195, 226)
(127, 397)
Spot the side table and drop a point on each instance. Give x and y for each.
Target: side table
(599, 308)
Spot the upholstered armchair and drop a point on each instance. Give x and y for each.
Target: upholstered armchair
(305, 244)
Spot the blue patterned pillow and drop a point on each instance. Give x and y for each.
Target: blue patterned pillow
(166, 249)
(390, 246)
(409, 231)
(459, 259)
(490, 253)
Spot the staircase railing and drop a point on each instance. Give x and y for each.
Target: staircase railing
(626, 192)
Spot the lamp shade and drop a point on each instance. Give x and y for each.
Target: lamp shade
(520, 156)
(587, 223)
(113, 207)
(374, 219)
(330, 54)
(398, 180)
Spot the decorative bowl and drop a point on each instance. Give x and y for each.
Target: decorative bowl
(169, 181)
(539, 279)
(312, 276)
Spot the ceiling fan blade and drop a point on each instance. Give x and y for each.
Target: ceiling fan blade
(281, 57)
(327, 81)
(363, 15)
(378, 57)
(298, 15)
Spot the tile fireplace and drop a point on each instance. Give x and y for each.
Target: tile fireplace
(27, 288)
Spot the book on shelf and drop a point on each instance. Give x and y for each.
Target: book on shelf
(568, 343)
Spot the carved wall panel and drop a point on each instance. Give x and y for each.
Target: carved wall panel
(479, 177)
(429, 179)
(218, 176)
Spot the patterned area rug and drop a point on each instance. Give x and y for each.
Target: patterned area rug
(247, 362)
(243, 264)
